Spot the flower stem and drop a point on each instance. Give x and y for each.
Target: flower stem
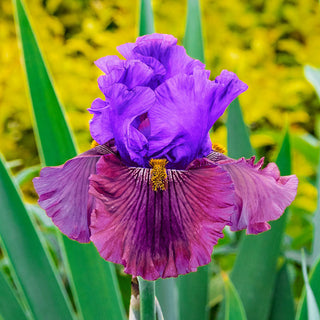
(134, 311)
(147, 299)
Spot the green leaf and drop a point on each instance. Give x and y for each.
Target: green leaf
(10, 308)
(167, 294)
(193, 287)
(313, 76)
(27, 175)
(233, 306)
(34, 269)
(238, 137)
(255, 281)
(98, 291)
(147, 299)
(313, 310)
(283, 303)
(308, 146)
(316, 223)
(146, 25)
(193, 295)
(302, 311)
(56, 145)
(193, 40)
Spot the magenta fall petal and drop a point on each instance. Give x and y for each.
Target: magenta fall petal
(261, 194)
(159, 234)
(63, 193)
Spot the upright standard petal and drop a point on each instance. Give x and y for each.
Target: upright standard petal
(127, 107)
(126, 75)
(100, 125)
(261, 194)
(63, 193)
(121, 118)
(194, 103)
(161, 53)
(159, 233)
(131, 73)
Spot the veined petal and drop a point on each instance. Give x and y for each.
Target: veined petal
(164, 233)
(63, 193)
(261, 194)
(194, 103)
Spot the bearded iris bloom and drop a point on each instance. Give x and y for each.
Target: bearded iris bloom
(153, 195)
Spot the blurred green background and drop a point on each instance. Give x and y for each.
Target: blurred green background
(267, 43)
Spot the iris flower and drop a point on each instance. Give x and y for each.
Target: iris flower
(153, 195)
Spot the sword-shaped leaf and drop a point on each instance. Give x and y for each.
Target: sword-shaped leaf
(283, 303)
(193, 287)
(56, 145)
(10, 308)
(233, 306)
(314, 280)
(34, 269)
(146, 24)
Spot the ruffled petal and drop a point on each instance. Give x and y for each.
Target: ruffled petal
(126, 106)
(193, 104)
(100, 126)
(113, 67)
(159, 234)
(63, 193)
(225, 88)
(161, 53)
(131, 73)
(261, 194)
(152, 45)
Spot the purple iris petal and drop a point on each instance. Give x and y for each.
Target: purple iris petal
(100, 126)
(159, 234)
(173, 113)
(126, 101)
(132, 73)
(186, 108)
(63, 193)
(126, 105)
(261, 194)
(161, 53)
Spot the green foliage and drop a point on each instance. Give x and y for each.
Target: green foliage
(167, 294)
(10, 307)
(282, 302)
(313, 309)
(233, 306)
(146, 18)
(193, 40)
(31, 263)
(238, 137)
(147, 300)
(312, 289)
(193, 295)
